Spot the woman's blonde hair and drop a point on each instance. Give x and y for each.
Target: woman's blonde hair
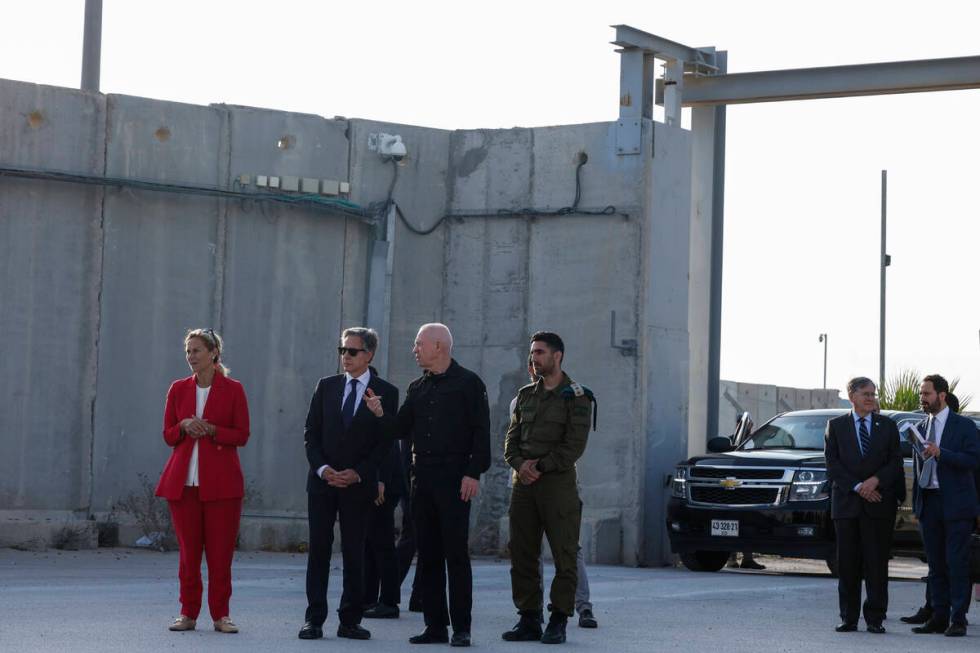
(213, 342)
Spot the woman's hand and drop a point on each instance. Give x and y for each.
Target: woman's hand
(195, 427)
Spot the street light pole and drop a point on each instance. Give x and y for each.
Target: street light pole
(823, 338)
(886, 260)
(92, 46)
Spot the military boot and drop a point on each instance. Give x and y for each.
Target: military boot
(555, 632)
(528, 629)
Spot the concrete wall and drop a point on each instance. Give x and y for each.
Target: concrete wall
(99, 285)
(763, 402)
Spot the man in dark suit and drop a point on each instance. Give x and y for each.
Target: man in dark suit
(382, 585)
(349, 431)
(944, 498)
(864, 466)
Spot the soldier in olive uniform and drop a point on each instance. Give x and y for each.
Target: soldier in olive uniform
(547, 434)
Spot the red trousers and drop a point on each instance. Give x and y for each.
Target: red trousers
(210, 527)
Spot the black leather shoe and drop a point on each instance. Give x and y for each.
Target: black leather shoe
(955, 630)
(587, 620)
(528, 629)
(846, 627)
(923, 615)
(555, 632)
(430, 636)
(877, 629)
(460, 638)
(310, 631)
(382, 611)
(931, 626)
(354, 631)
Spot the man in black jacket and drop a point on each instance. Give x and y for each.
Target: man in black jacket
(446, 417)
(864, 466)
(348, 433)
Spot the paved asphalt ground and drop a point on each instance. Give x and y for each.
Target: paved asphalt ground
(123, 600)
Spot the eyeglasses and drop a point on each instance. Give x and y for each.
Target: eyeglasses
(352, 351)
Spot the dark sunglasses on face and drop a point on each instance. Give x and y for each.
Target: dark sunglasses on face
(353, 351)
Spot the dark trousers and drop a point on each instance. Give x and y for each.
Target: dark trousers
(550, 506)
(947, 543)
(381, 581)
(442, 523)
(407, 547)
(863, 546)
(352, 505)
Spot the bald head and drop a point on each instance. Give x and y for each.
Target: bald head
(433, 347)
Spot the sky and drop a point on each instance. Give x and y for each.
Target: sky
(802, 209)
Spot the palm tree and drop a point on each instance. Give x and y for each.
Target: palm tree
(901, 391)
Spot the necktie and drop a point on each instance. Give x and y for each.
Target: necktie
(347, 412)
(865, 438)
(929, 466)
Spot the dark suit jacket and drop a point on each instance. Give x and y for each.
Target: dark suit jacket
(959, 455)
(392, 474)
(363, 446)
(846, 467)
(218, 469)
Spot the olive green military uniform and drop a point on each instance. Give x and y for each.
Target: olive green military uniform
(552, 427)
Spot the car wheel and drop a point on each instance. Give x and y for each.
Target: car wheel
(704, 560)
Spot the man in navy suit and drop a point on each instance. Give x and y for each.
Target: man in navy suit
(349, 431)
(864, 466)
(944, 497)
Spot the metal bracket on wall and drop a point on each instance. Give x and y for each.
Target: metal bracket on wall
(628, 134)
(626, 347)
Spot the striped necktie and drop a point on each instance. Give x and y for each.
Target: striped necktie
(865, 436)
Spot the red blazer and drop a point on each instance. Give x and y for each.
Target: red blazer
(218, 470)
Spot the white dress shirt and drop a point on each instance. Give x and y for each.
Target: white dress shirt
(940, 421)
(362, 384)
(202, 399)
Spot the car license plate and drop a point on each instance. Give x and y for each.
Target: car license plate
(724, 527)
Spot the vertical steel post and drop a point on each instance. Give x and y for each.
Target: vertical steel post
(92, 46)
(823, 338)
(717, 257)
(884, 264)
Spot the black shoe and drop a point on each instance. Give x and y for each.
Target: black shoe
(460, 638)
(587, 620)
(382, 611)
(931, 626)
(555, 632)
(923, 615)
(415, 604)
(528, 629)
(354, 631)
(877, 629)
(310, 631)
(845, 627)
(955, 630)
(430, 636)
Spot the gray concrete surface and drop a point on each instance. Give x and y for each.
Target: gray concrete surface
(122, 600)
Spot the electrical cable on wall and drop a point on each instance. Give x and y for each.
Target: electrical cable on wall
(331, 205)
(384, 207)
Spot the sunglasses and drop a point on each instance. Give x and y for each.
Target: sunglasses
(353, 351)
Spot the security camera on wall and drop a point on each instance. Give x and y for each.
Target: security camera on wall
(391, 146)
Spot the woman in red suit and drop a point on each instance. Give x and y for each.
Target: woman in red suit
(205, 421)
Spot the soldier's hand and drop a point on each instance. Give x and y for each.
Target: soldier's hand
(469, 488)
(381, 494)
(373, 402)
(528, 472)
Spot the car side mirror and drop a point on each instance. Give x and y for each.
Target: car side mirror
(721, 444)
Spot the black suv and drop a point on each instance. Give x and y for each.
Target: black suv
(766, 491)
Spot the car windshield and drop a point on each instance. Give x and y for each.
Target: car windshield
(789, 432)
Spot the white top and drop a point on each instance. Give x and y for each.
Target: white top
(940, 421)
(362, 384)
(202, 398)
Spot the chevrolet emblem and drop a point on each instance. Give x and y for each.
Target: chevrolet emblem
(730, 483)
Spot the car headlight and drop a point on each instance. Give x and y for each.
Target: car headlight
(678, 487)
(809, 485)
